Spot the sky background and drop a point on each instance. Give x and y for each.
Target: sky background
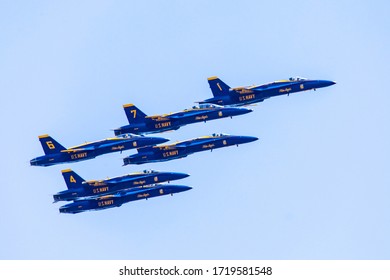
(316, 184)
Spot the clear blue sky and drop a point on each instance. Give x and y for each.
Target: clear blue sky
(316, 184)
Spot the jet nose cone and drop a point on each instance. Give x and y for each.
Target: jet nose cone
(326, 83)
(181, 175)
(246, 110)
(160, 140)
(184, 188)
(239, 110)
(248, 139)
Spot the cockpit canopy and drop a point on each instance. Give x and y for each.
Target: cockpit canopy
(149, 171)
(206, 106)
(219, 134)
(296, 79)
(128, 135)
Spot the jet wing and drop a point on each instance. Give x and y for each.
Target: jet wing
(124, 179)
(188, 114)
(197, 142)
(113, 181)
(136, 190)
(148, 149)
(75, 150)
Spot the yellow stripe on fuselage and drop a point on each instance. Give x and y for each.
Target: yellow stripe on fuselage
(87, 143)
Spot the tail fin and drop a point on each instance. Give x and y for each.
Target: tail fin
(49, 145)
(218, 87)
(72, 179)
(133, 114)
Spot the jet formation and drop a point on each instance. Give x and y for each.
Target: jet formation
(113, 192)
(117, 199)
(82, 195)
(78, 188)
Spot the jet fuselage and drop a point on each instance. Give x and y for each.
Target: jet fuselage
(91, 150)
(224, 95)
(173, 121)
(185, 148)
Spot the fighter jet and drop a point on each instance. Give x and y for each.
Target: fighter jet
(225, 95)
(185, 148)
(55, 153)
(78, 188)
(116, 200)
(140, 123)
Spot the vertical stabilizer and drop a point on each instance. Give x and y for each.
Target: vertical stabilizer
(49, 145)
(133, 114)
(72, 179)
(218, 88)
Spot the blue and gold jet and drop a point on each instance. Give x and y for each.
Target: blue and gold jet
(185, 148)
(140, 123)
(78, 188)
(55, 153)
(116, 200)
(225, 95)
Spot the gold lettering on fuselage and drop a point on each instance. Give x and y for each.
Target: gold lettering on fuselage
(287, 90)
(246, 97)
(171, 153)
(209, 146)
(100, 190)
(77, 156)
(201, 117)
(162, 125)
(144, 195)
(120, 147)
(105, 203)
(141, 182)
